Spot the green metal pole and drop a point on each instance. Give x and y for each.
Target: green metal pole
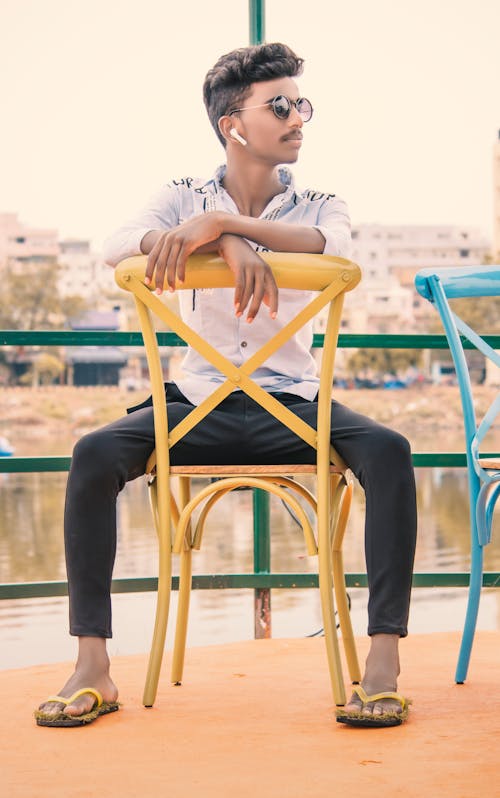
(261, 531)
(261, 563)
(257, 12)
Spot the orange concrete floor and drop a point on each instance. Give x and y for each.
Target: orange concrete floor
(256, 719)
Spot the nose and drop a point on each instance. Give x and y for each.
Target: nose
(295, 118)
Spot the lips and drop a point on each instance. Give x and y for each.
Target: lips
(293, 137)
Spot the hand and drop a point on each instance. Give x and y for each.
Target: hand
(172, 248)
(254, 279)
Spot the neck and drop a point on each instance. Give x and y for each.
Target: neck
(251, 187)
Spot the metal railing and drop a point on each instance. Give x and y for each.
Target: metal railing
(262, 579)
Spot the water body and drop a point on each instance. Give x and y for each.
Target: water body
(33, 631)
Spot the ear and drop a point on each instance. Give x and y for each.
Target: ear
(225, 124)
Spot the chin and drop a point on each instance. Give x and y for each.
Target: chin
(292, 158)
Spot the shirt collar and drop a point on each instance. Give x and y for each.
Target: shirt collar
(285, 177)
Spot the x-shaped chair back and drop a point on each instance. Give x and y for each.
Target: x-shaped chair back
(329, 276)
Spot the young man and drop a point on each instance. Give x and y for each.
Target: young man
(250, 204)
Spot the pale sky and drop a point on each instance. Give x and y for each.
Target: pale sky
(102, 104)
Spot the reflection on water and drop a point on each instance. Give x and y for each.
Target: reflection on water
(31, 549)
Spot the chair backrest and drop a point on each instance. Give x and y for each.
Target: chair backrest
(439, 286)
(327, 276)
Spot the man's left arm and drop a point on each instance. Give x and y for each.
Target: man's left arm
(275, 235)
(328, 233)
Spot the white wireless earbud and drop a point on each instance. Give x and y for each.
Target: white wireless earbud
(235, 135)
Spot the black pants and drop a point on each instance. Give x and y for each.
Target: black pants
(239, 431)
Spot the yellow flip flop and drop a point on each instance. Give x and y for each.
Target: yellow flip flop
(99, 708)
(357, 718)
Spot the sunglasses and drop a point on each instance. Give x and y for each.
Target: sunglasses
(282, 107)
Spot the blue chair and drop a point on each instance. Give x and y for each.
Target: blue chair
(438, 286)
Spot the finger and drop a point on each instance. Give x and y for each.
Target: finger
(161, 263)
(171, 264)
(258, 294)
(248, 288)
(271, 294)
(239, 288)
(160, 271)
(184, 253)
(150, 267)
(151, 262)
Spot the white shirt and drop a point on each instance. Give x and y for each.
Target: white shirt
(210, 312)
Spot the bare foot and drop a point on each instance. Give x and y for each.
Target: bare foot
(381, 676)
(91, 670)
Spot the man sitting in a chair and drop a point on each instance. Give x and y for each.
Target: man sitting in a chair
(250, 204)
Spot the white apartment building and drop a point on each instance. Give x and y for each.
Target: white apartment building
(496, 199)
(83, 272)
(379, 306)
(390, 256)
(402, 250)
(20, 243)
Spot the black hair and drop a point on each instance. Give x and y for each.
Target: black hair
(228, 83)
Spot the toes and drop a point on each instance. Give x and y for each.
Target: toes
(377, 708)
(355, 704)
(372, 708)
(80, 707)
(51, 709)
(386, 708)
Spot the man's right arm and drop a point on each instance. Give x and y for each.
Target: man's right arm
(254, 280)
(146, 232)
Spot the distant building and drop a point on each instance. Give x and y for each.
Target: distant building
(402, 250)
(20, 244)
(390, 256)
(83, 272)
(496, 199)
(379, 306)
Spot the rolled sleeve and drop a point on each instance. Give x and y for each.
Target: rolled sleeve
(161, 213)
(334, 225)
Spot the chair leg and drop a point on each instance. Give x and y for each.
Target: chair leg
(327, 603)
(182, 617)
(341, 505)
(476, 579)
(480, 536)
(331, 640)
(485, 505)
(475, 584)
(184, 592)
(161, 513)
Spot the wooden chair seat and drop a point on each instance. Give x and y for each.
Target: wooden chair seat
(489, 464)
(258, 470)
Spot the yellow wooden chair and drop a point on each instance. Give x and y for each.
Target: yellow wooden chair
(329, 278)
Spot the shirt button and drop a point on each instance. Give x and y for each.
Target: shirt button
(243, 343)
